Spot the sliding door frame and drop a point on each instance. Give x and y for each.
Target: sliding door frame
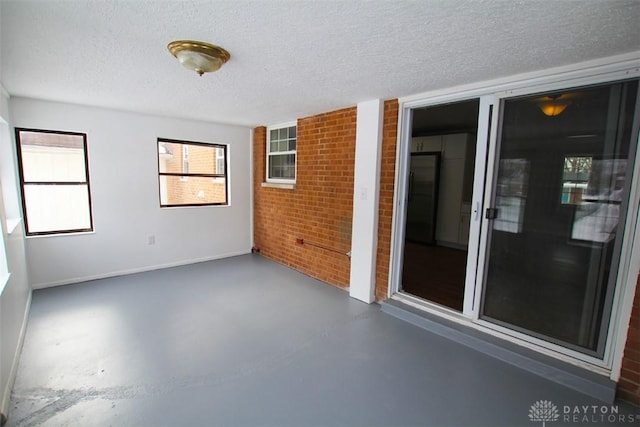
(625, 256)
(491, 95)
(403, 156)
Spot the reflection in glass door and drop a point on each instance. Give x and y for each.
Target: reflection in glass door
(422, 200)
(558, 206)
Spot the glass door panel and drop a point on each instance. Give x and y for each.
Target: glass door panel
(559, 201)
(440, 177)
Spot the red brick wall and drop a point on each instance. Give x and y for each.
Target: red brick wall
(629, 384)
(320, 208)
(387, 183)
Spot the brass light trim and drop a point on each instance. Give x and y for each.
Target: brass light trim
(198, 56)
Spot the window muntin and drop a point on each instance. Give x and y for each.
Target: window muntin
(54, 179)
(192, 173)
(281, 153)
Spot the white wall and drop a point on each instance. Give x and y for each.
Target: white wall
(16, 292)
(125, 196)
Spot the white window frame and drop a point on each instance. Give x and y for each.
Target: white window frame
(280, 153)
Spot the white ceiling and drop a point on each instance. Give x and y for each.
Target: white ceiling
(292, 59)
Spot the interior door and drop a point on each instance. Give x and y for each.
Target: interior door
(558, 200)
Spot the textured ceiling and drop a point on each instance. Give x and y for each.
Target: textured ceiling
(292, 58)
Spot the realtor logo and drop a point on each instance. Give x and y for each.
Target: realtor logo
(543, 410)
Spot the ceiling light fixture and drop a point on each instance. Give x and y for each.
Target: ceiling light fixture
(200, 57)
(553, 105)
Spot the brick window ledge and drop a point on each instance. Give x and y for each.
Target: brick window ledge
(278, 185)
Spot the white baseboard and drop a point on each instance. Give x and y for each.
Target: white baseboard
(135, 270)
(6, 393)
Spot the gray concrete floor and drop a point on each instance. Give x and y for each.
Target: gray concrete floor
(247, 342)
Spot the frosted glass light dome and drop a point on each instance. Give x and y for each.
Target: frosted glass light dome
(198, 56)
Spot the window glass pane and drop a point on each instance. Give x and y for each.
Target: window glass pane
(52, 157)
(175, 190)
(283, 145)
(165, 148)
(170, 157)
(274, 135)
(283, 133)
(282, 166)
(292, 132)
(201, 158)
(57, 207)
(292, 144)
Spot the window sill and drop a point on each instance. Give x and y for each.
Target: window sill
(194, 206)
(43, 236)
(279, 185)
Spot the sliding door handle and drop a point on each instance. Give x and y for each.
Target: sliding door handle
(476, 212)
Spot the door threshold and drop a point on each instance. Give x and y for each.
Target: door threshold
(446, 325)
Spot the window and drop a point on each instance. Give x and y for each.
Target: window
(192, 173)
(575, 177)
(597, 209)
(281, 153)
(511, 194)
(54, 178)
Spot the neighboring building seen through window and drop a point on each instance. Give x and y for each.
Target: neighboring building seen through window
(511, 194)
(597, 213)
(281, 153)
(185, 159)
(575, 177)
(192, 173)
(54, 178)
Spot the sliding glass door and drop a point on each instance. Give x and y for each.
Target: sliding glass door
(546, 203)
(558, 201)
